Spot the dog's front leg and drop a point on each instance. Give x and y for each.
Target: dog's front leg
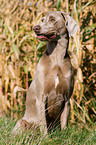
(42, 117)
(64, 115)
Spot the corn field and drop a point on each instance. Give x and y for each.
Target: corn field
(20, 52)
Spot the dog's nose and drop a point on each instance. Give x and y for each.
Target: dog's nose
(37, 28)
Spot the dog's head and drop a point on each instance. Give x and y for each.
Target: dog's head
(55, 24)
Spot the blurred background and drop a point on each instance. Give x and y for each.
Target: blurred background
(20, 53)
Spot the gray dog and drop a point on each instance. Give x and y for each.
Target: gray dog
(49, 93)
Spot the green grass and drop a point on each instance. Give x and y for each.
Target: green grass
(74, 134)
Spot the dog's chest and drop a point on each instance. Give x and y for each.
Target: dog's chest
(57, 79)
(57, 82)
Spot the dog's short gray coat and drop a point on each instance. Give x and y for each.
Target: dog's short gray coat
(49, 93)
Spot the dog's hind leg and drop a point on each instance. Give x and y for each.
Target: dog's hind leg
(31, 112)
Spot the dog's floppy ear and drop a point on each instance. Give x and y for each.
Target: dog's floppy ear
(71, 24)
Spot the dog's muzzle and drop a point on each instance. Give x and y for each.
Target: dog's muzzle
(44, 37)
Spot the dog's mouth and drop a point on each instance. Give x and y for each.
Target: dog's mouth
(46, 37)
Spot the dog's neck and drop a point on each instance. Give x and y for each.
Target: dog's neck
(57, 49)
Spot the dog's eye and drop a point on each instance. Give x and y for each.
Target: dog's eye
(52, 19)
(42, 20)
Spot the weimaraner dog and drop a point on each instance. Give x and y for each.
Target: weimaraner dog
(49, 93)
